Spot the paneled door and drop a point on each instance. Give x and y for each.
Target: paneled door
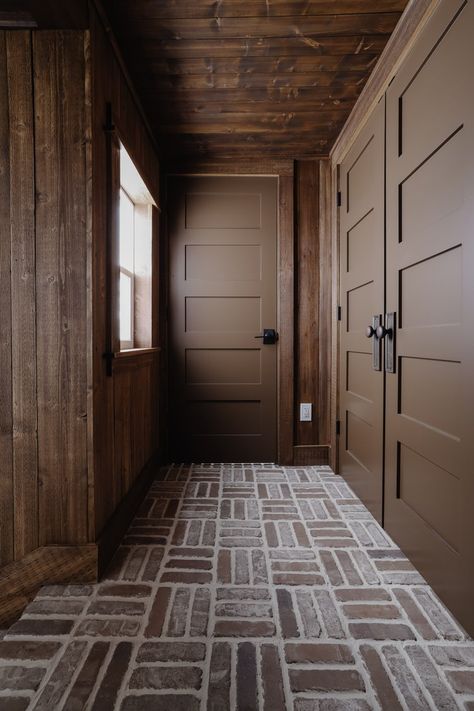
(429, 496)
(223, 257)
(362, 303)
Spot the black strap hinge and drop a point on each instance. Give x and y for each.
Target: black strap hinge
(108, 363)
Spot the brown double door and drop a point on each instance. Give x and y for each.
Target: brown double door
(223, 377)
(429, 241)
(362, 299)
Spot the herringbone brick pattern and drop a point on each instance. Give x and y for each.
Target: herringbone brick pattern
(243, 588)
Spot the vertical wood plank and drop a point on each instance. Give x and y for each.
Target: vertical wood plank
(22, 220)
(286, 320)
(6, 405)
(102, 386)
(61, 250)
(122, 437)
(90, 291)
(307, 318)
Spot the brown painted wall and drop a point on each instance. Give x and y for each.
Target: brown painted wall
(43, 284)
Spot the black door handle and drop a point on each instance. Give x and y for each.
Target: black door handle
(372, 332)
(270, 336)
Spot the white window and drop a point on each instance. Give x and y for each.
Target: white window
(135, 257)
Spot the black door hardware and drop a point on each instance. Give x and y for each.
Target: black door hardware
(389, 334)
(270, 336)
(372, 332)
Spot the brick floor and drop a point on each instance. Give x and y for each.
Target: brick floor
(243, 587)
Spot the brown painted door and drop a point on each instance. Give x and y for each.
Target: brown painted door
(430, 284)
(223, 247)
(362, 297)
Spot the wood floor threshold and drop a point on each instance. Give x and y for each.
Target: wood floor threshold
(311, 454)
(46, 565)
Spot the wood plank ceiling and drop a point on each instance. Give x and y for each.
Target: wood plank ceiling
(247, 78)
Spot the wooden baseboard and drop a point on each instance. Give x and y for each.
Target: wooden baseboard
(309, 454)
(117, 525)
(47, 565)
(57, 564)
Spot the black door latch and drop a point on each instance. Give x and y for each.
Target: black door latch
(270, 336)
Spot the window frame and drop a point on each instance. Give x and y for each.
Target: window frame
(143, 199)
(130, 344)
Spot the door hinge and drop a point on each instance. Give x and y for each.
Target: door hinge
(338, 427)
(339, 313)
(339, 198)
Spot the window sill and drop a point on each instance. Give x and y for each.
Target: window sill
(131, 352)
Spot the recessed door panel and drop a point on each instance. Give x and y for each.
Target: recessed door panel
(206, 366)
(224, 262)
(223, 314)
(429, 446)
(223, 247)
(362, 297)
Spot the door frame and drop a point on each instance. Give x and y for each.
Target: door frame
(284, 171)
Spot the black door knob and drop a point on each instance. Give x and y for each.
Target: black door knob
(381, 332)
(270, 336)
(370, 331)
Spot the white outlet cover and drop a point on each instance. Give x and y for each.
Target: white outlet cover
(306, 412)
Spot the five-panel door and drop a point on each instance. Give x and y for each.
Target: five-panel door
(427, 336)
(223, 257)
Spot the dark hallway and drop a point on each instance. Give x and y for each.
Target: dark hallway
(236, 231)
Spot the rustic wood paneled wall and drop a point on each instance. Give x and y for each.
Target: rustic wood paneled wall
(124, 407)
(73, 441)
(43, 284)
(312, 312)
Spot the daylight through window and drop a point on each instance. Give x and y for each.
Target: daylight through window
(135, 257)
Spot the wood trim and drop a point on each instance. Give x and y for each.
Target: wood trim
(334, 229)
(286, 318)
(260, 167)
(155, 277)
(326, 302)
(131, 360)
(117, 525)
(136, 352)
(20, 580)
(113, 237)
(411, 23)
(310, 454)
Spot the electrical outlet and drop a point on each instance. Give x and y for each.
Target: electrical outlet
(305, 412)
